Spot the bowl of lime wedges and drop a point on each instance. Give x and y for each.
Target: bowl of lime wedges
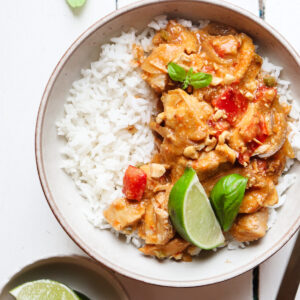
(63, 277)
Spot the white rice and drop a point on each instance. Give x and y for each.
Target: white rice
(109, 97)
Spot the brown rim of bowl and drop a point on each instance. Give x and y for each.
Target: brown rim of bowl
(43, 178)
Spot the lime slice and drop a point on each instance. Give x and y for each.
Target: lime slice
(192, 214)
(43, 290)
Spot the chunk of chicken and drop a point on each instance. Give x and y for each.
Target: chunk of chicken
(178, 104)
(256, 198)
(174, 248)
(250, 227)
(175, 33)
(252, 73)
(226, 45)
(245, 56)
(185, 115)
(213, 55)
(276, 140)
(155, 65)
(249, 127)
(263, 128)
(232, 55)
(253, 200)
(123, 213)
(246, 129)
(156, 81)
(156, 227)
(194, 61)
(272, 197)
(209, 162)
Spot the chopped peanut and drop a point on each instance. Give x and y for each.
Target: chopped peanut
(190, 152)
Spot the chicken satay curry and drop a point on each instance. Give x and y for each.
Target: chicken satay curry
(218, 114)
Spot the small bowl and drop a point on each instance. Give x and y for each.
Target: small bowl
(64, 199)
(79, 273)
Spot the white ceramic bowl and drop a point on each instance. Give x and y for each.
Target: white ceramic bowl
(62, 195)
(78, 272)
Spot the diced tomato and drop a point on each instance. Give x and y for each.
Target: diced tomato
(134, 183)
(233, 102)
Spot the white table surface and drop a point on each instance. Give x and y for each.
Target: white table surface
(34, 35)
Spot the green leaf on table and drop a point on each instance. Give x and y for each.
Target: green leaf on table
(76, 3)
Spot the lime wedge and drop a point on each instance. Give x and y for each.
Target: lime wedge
(43, 290)
(192, 214)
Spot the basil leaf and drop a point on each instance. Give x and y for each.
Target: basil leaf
(187, 78)
(189, 73)
(76, 3)
(200, 80)
(176, 72)
(226, 197)
(197, 80)
(185, 83)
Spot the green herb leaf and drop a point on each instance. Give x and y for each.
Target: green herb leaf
(226, 197)
(176, 72)
(197, 80)
(200, 80)
(185, 84)
(187, 78)
(189, 73)
(76, 3)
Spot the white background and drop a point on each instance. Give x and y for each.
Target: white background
(33, 36)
